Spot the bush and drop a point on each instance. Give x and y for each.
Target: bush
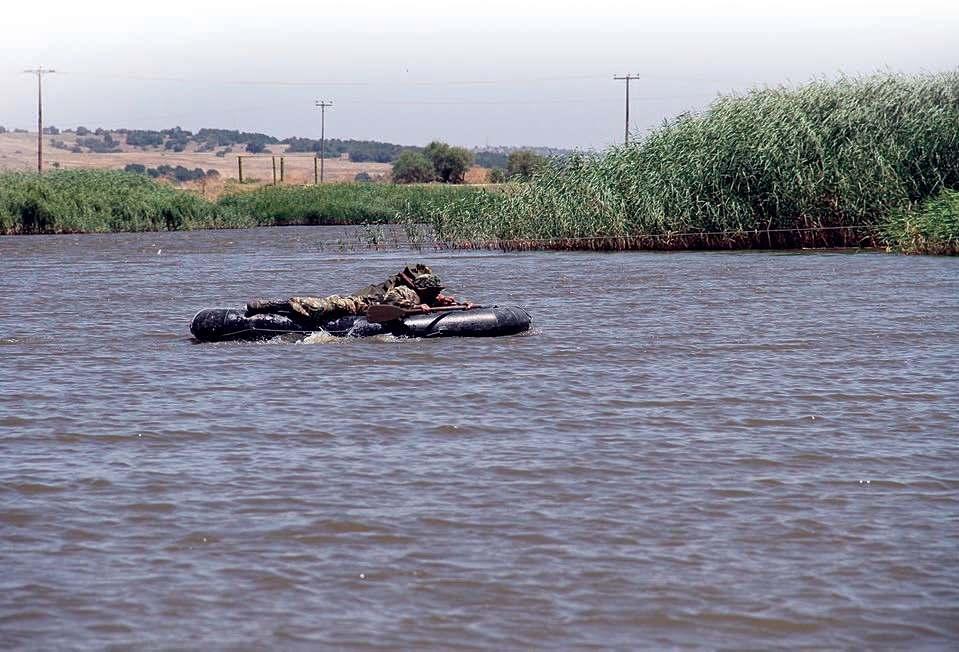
(449, 163)
(135, 168)
(363, 177)
(521, 165)
(496, 175)
(412, 167)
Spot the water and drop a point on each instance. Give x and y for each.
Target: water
(710, 450)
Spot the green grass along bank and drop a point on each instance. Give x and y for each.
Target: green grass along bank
(102, 201)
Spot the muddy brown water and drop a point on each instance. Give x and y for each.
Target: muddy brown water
(691, 450)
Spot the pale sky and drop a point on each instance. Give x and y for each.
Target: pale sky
(472, 74)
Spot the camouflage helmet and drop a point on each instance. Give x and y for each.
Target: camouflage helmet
(427, 282)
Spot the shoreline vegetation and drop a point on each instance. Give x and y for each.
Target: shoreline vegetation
(827, 164)
(859, 162)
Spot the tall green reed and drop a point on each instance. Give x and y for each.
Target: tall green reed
(820, 165)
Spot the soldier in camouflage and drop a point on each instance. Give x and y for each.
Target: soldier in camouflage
(415, 287)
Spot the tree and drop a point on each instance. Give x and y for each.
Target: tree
(255, 147)
(449, 163)
(496, 175)
(412, 167)
(521, 165)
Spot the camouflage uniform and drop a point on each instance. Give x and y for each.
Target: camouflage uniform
(396, 290)
(377, 293)
(317, 310)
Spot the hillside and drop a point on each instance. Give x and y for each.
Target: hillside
(18, 151)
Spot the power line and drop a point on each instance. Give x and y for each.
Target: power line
(341, 82)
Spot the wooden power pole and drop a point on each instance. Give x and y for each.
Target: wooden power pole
(39, 72)
(322, 104)
(626, 78)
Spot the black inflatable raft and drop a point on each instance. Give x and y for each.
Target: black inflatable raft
(221, 324)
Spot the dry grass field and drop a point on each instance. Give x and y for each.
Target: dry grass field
(18, 151)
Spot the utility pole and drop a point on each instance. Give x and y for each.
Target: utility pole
(39, 72)
(627, 77)
(322, 104)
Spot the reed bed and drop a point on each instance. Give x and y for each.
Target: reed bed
(822, 165)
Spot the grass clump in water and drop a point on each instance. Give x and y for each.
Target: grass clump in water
(932, 228)
(821, 165)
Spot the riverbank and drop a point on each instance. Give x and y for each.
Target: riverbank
(866, 162)
(103, 201)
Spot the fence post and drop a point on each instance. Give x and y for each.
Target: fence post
(274, 170)
(282, 166)
(316, 174)
(239, 164)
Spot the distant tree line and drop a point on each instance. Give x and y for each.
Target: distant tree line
(490, 159)
(358, 150)
(177, 139)
(179, 173)
(505, 163)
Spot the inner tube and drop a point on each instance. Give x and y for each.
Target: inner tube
(225, 324)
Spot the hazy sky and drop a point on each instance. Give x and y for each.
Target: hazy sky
(473, 73)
